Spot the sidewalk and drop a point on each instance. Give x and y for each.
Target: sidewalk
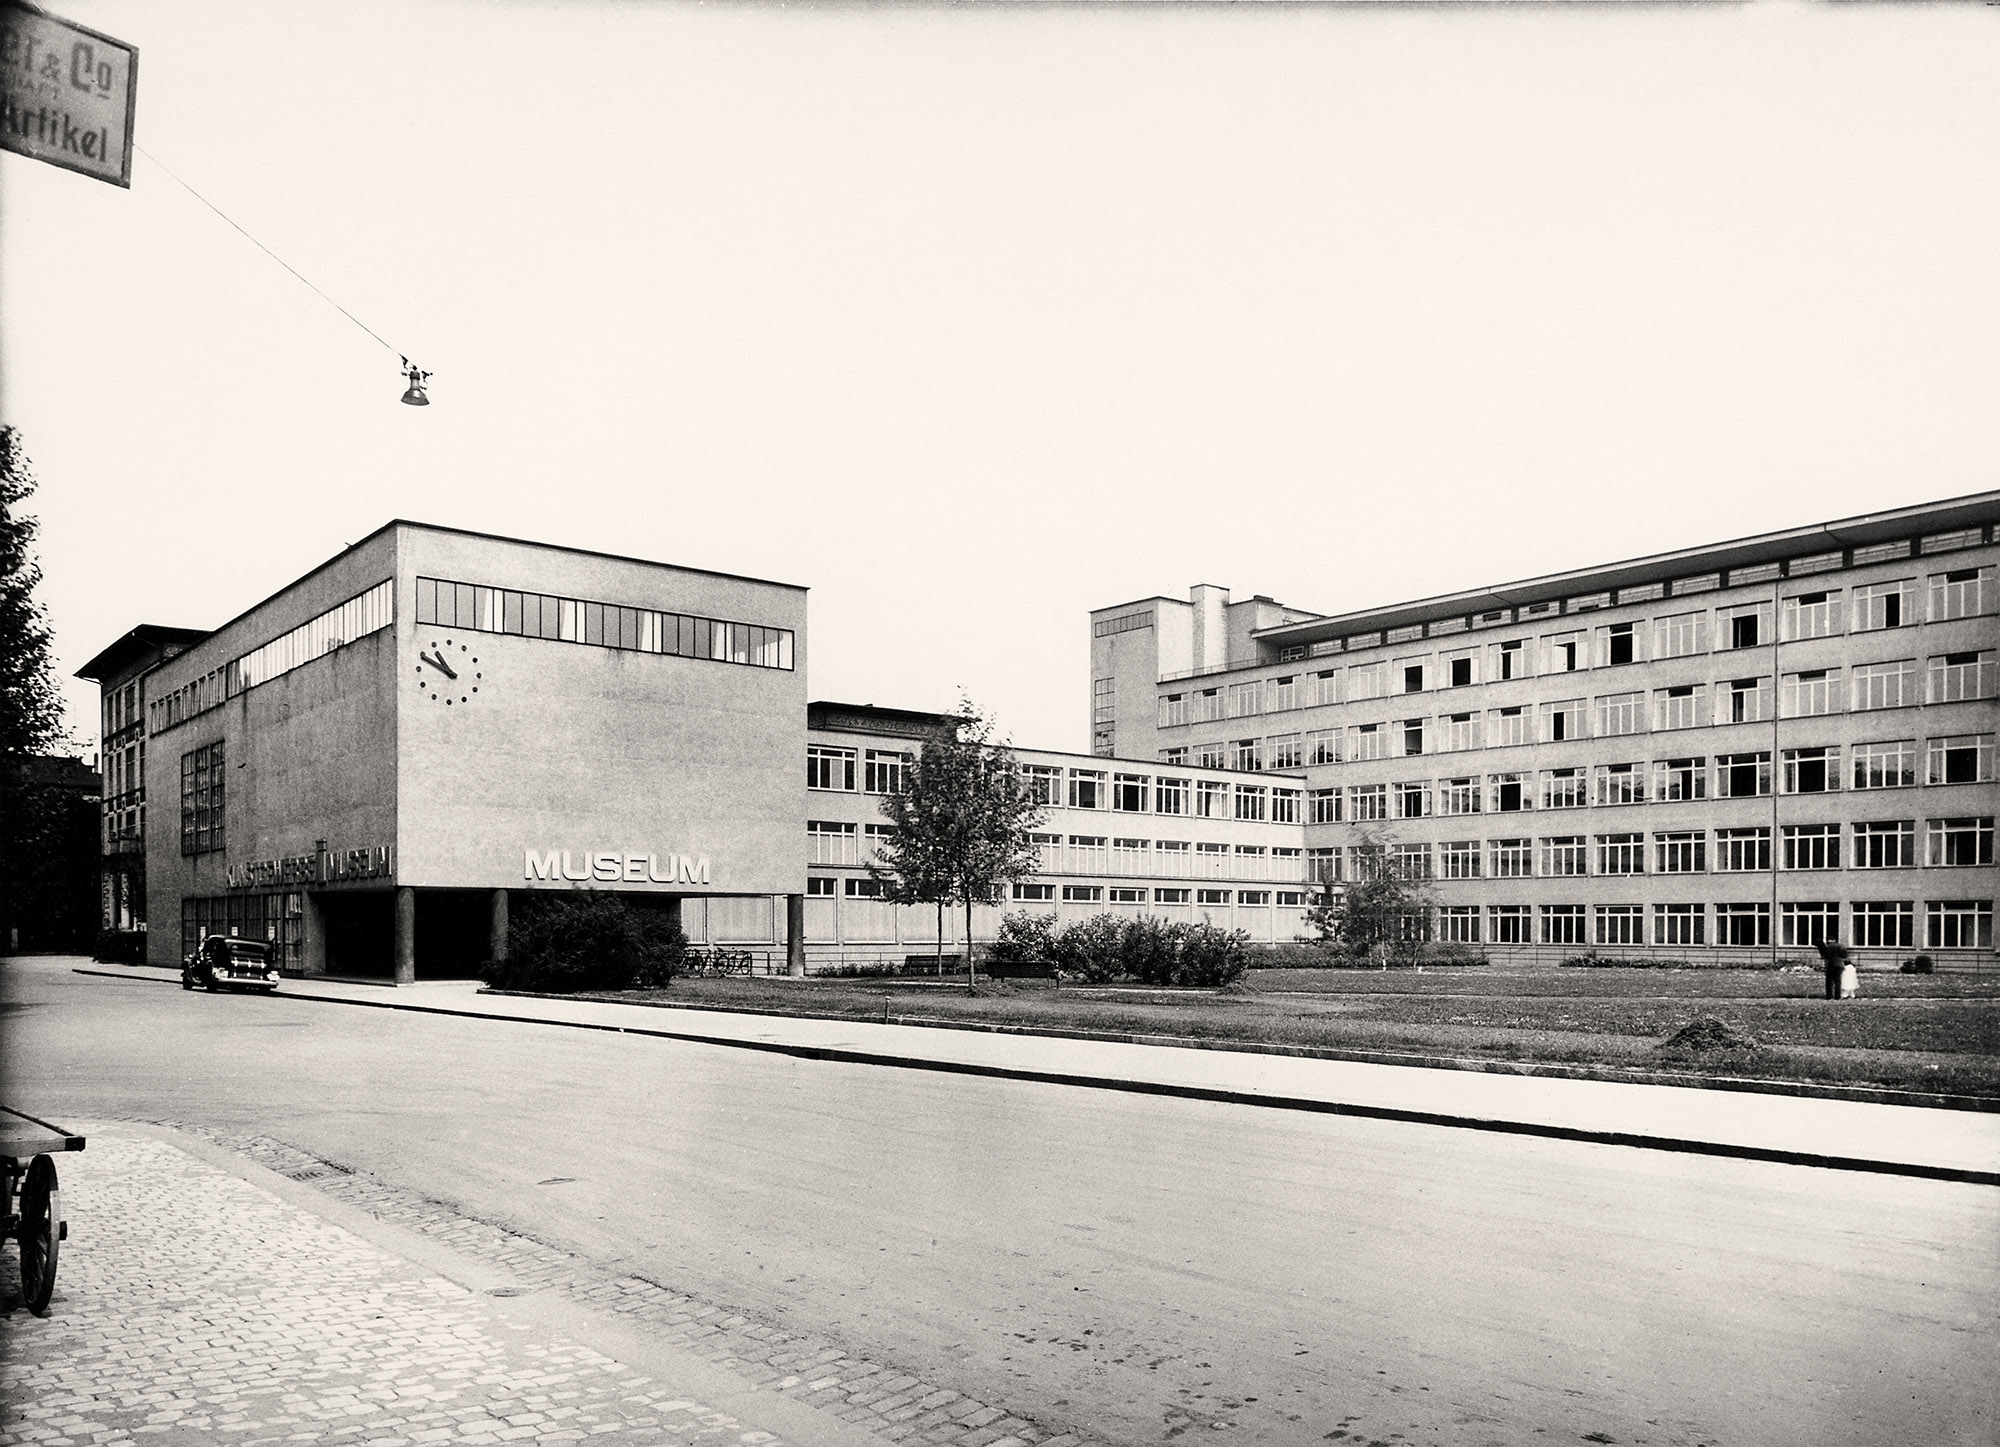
(1892, 1139)
(194, 1304)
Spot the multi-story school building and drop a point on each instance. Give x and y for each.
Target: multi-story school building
(1756, 744)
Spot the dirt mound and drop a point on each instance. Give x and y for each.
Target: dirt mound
(1707, 1035)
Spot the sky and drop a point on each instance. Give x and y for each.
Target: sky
(975, 317)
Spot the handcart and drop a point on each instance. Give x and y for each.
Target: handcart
(32, 1201)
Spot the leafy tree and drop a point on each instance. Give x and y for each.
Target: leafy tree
(959, 829)
(31, 710)
(1381, 915)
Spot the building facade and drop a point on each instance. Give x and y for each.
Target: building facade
(367, 764)
(1754, 745)
(1117, 836)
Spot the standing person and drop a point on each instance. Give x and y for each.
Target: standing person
(1833, 958)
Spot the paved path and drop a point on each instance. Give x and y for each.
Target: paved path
(236, 1290)
(194, 1306)
(1897, 1139)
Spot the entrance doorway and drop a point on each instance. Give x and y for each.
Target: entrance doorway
(360, 933)
(452, 932)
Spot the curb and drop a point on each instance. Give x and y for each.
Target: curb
(1215, 1094)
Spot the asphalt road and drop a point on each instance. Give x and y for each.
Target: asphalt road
(1148, 1268)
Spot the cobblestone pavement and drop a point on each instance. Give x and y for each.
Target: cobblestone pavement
(192, 1306)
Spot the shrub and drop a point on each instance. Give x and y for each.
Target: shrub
(1212, 956)
(120, 947)
(1454, 954)
(1919, 965)
(588, 940)
(1089, 949)
(1149, 948)
(1023, 938)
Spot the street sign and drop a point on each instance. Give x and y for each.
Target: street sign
(66, 93)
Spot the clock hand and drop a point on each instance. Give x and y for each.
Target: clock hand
(438, 663)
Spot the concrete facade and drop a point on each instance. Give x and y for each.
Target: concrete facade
(1752, 744)
(363, 774)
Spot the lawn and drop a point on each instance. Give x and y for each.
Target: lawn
(1936, 1034)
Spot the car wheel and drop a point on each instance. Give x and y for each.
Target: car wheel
(186, 983)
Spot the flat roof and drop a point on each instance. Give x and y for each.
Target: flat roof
(1975, 509)
(141, 640)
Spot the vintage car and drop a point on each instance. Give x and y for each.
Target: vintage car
(224, 962)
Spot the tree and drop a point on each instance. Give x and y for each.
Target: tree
(959, 829)
(31, 709)
(1383, 914)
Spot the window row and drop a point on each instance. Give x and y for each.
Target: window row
(1949, 924)
(1876, 844)
(359, 616)
(872, 771)
(603, 625)
(1804, 611)
(1810, 693)
(1118, 894)
(839, 842)
(1960, 759)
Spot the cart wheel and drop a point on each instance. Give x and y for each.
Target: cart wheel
(187, 982)
(40, 1234)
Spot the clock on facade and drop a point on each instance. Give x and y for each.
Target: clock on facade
(448, 672)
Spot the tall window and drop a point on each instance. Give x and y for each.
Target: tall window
(1885, 844)
(1459, 859)
(1960, 593)
(1128, 793)
(1562, 652)
(1678, 780)
(1412, 800)
(1044, 783)
(1810, 846)
(1742, 851)
(829, 768)
(1883, 924)
(1959, 842)
(1743, 700)
(1885, 764)
(1103, 700)
(1413, 737)
(1743, 924)
(832, 842)
(1211, 799)
(1683, 852)
(1323, 806)
(1282, 693)
(1507, 726)
(1959, 676)
(1564, 788)
(1961, 759)
(1742, 776)
(1810, 615)
(1459, 667)
(1564, 854)
(1170, 796)
(1621, 854)
(1958, 924)
(1513, 858)
(1804, 925)
(1323, 746)
(1458, 924)
(1678, 636)
(1810, 693)
(1249, 755)
(1562, 924)
(1284, 806)
(202, 780)
(1368, 680)
(1562, 720)
(1245, 699)
(1458, 796)
(1620, 713)
(1621, 924)
(1510, 792)
(1507, 924)
(885, 771)
(1892, 684)
(1367, 803)
(1620, 783)
(1506, 661)
(1207, 705)
(1287, 751)
(1616, 644)
(1458, 732)
(1086, 789)
(1748, 626)
(1680, 707)
(1250, 801)
(1812, 771)
(1883, 605)
(1678, 924)
(1364, 741)
(1173, 710)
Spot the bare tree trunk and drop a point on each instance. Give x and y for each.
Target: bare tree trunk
(971, 977)
(937, 964)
